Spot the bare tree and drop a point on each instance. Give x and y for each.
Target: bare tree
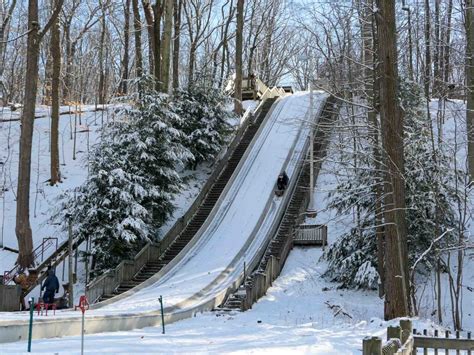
(176, 43)
(166, 45)
(469, 25)
(55, 51)
(396, 287)
(239, 39)
(102, 92)
(148, 9)
(198, 20)
(138, 38)
(5, 18)
(35, 36)
(125, 61)
(69, 15)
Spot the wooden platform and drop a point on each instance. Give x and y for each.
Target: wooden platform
(311, 235)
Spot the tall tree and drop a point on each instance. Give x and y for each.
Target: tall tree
(126, 45)
(239, 39)
(396, 282)
(6, 15)
(469, 16)
(137, 24)
(176, 43)
(150, 18)
(198, 22)
(102, 55)
(55, 51)
(35, 36)
(166, 45)
(157, 14)
(427, 76)
(71, 42)
(371, 91)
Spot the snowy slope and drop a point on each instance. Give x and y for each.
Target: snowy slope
(228, 241)
(74, 173)
(43, 196)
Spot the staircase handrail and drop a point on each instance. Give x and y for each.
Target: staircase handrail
(8, 275)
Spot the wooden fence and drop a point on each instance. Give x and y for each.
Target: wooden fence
(125, 271)
(401, 340)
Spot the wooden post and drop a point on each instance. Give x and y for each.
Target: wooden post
(458, 352)
(469, 337)
(447, 336)
(87, 261)
(425, 350)
(394, 333)
(436, 335)
(407, 327)
(70, 267)
(260, 285)
(372, 346)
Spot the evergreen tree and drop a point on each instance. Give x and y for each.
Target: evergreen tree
(133, 179)
(429, 182)
(204, 121)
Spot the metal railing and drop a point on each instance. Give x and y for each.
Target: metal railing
(40, 250)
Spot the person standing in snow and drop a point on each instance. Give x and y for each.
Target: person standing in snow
(25, 279)
(51, 284)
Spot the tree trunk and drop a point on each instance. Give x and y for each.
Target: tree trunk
(239, 39)
(470, 84)
(371, 85)
(192, 59)
(3, 89)
(176, 42)
(55, 51)
(410, 43)
(166, 45)
(126, 60)
(4, 29)
(157, 11)
(149, 18)
(447, 47)
(69, 58)
(101, 59)
(137, 23)
(437, 67)
(23, 228)
(396, 287)
(427, 76)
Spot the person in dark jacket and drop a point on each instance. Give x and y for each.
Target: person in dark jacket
(282, 181)
(51, 284)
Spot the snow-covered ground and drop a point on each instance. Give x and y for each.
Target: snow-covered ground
(291, 319)
(73, 172)
(43, 196)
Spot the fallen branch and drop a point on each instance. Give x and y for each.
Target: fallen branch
(337, 309)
